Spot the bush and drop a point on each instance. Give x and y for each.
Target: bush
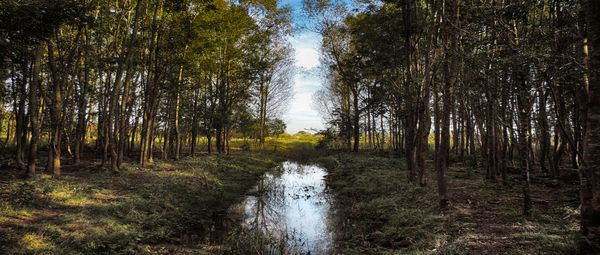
(303, 152)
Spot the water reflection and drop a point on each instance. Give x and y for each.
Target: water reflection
(291, 203)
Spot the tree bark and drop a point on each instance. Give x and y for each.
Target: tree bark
(589, 172)
(449, 82)
(21, 122)
(544, 131)
(356, 120)
(524, 107)
(34, 104)
(56, 109)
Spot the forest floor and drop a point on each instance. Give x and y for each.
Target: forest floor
(386, 214)
(179, 207)
(162, 208)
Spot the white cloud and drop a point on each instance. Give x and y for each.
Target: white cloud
(307, 58)
(306, 39)
(301, 115)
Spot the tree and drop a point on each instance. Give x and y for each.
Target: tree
(274, 88)
(590, 170)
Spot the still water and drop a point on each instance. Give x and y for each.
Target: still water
(291, 203)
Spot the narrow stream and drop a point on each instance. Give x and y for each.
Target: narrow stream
(291, 203)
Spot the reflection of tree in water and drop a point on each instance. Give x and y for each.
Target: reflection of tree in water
(282, 197)
(268, 207)
(270, 203)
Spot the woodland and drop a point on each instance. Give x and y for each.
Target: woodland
(451, 126)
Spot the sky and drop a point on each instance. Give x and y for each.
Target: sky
(301, 115)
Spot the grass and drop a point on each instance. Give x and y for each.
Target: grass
(385, 214)
(283, 142)
(164, 207)
(141, 210)
(180, 207)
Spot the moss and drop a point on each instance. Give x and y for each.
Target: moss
(36, 243)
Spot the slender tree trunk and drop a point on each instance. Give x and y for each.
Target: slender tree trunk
(444, 144)
(505, 142)
(8, 130)
(559, 149)
(194, 126)
(436, 125)
(209, 142)
(144, 138)
(21, 124)
(544, 131)
(151, 138)
(524, 107)
(424, 127)
(491, 137)
(82, 105)
(34, 104)
(218, 139)
(133, 134)
(455, 131)
(369, 132)
(449, 82)
(356, 120)
(163, 149)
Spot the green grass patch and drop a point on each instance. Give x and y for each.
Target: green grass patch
(90, 211)
(384, 213)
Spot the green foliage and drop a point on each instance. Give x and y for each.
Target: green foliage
(276, 127)
(303, 152)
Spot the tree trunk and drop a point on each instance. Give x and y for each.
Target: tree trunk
(491, 136)
(34, 105)
(219, 137)
(436, 125)
(589, 172)
(194, 126)
(424, 127)
(56, 109)
(444, 144)
(544, 131)
(209, 142)
(133, 134)
(356, 120)
(21, 124)
(449, 82)
(144, 138)
(524, 107)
